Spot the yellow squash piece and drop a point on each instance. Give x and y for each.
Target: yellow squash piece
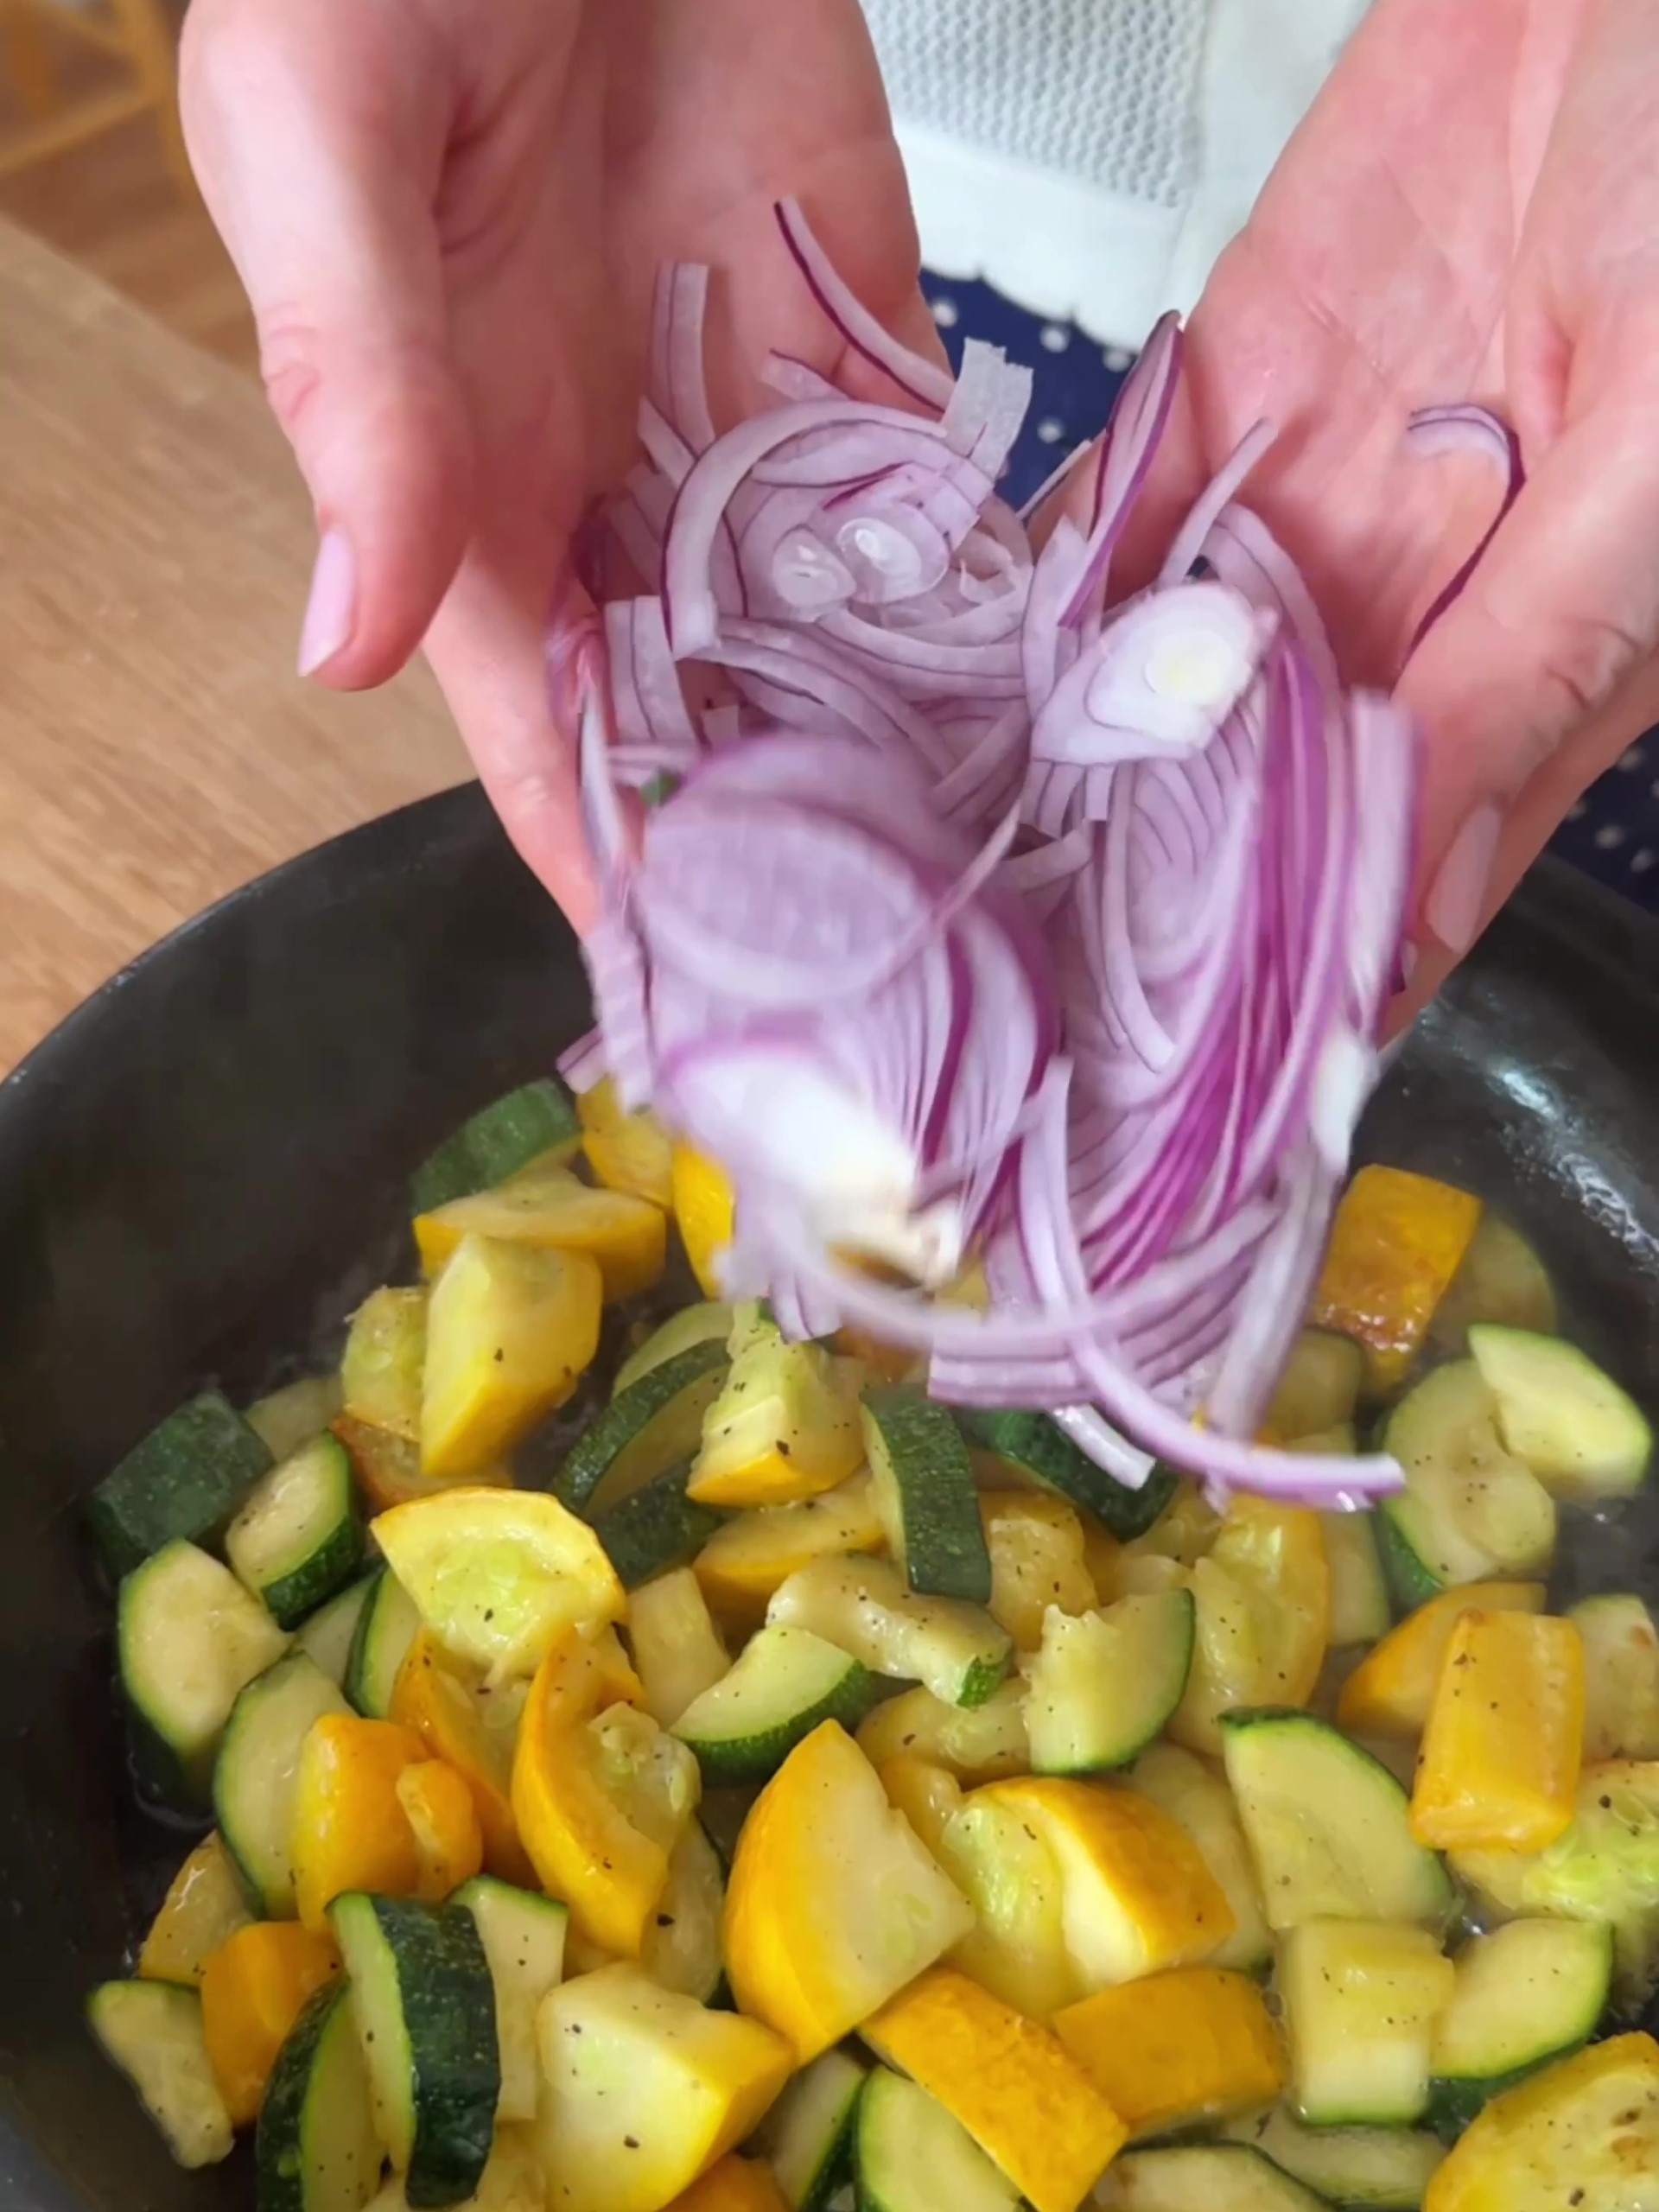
(498, 1575)
(975, 1742)
(349, 1830)
(511, 1330)
(643, 2090)
(1038, 1559)
(548, 1208)
(734, 2185)
(578, 1816)
(1499, 1766)
(627, 1151)
(1177, 2048)
(754, 1555)
(204, 1907)
(253, 1990)
(467, 1726)
(705, 1211)
(1016, 1947)
(832, 1905)
(1390, 1691)
(385, 1356)
(1137, 1894)
(1397, 1241)
(1199, 1802)
(1583, 2133)
(786, 1425)
(1264, 1597)
(1010, 2081)
(448, 1842)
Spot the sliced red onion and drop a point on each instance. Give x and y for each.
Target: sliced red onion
(1122, 1058)
(922, 379)
(1466, 428)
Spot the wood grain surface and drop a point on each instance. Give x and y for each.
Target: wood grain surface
(155, 747)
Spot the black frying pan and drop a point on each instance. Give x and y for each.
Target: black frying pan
(204, 1169)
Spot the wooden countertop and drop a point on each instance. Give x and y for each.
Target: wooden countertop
(157, 748)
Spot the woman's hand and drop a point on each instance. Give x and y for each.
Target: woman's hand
(448, 217)
(1472, 210)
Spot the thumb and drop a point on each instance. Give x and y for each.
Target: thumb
(316, 129)
(1536, 679)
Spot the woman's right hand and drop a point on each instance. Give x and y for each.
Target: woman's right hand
(448, 215)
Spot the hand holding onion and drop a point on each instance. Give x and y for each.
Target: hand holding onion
(1472, 210)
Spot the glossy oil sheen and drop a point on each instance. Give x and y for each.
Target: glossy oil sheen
(205, 1170)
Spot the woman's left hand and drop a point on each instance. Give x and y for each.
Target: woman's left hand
(1471, 211)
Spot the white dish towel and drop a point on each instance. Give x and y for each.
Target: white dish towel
(1091, 158)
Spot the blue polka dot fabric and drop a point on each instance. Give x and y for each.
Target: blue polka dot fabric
(1612, 832)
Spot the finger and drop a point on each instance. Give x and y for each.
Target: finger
(490, 654)
(1538, 813)
(1530, 681)
(317, 130)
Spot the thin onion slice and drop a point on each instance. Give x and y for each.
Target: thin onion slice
(993, 913)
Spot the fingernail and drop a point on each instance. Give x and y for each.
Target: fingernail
(331, 610)
(1457, 897)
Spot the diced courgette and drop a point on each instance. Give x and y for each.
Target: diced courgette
(678, 1650)
(296, 1539)
(1031, 1443)
(424, 2003)
(523, 1937)
(911, 2155)
(1318, 1389)
(285, 1418)
(1329, 1826)
(808, 2134)
(387, 1625)
(645, 1430)
(1526, 1994)
(1359, 1589)
(1203, 2177)
(259, 1765)
(1103, 1684)
(1581, 1435)
(708, 1322)
(925, 1493)
(1367, 2168)
(654, 1528)
(329, 1636)
(185, 1479)
(1361, 1997)
(497, 1141)
(152, 2030)
(682, 1947)
(317, 2149)
(1471, 1511)
(865, 1606)
(1501, 1279)
(1605, 1869)
(1621, 1677)
(785, 1681)
(190, 1640)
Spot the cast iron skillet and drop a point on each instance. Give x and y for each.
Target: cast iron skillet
(204, 1169)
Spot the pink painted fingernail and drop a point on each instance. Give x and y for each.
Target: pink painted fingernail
(1457, 897)
(331, 610)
